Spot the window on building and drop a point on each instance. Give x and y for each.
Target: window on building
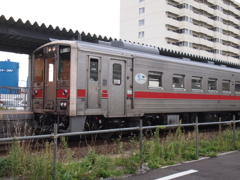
(141, 34)
(141, 22)
(237, 86)
(178, 81)
(196, 82)
(183, 31)
(142, 10)
(182, 6)
(212, 84)
(225, 85)
(216, 40)
(216, 51)
(154, 79)
(183, 43)
(183, 18)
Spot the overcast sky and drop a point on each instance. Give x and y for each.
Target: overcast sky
(100, 17)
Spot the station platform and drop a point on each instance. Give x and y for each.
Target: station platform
(15, 123)
(15, 114)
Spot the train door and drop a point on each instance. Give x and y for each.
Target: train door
(116, 99)
(50, 85)
(93, 95)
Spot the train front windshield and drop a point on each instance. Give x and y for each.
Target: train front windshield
(51, 77)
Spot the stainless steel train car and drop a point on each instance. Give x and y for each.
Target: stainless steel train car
(89, 86)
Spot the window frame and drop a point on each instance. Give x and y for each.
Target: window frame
(142, 10)
(180, 76)
(229, 82)
(155, 73)
(94, 77)
(237, 82)
(201, 85)
(115, 80)
(141, 34)
(212, 80)
(141, 22)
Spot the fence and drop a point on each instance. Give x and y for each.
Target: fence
(55, 135)
(13, 97)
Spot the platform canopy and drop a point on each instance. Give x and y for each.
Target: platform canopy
(23, 37)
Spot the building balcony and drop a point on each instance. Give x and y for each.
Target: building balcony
(218, 24)
(220, 14)
(232, 9)
(205, 54)
(219, 57)
(172, 9)
(234, 30)
(172, 35)
(233, 19)
(233, 39)
(206, 8)
(172, 22)
(232, 49)
(211, 1)
(219, 3)
(206, 31)
(206, 42)
(219, 46)
(206, 19)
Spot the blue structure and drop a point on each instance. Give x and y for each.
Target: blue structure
(8, 75)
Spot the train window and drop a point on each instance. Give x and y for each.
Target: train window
(154, 79)
(237, 86)
(225, 85)
(64, 63)
(178, 81)
(196, 82)
(93, 70)
(117, 74)
(50, 69)
(212, 84)
(38, 69)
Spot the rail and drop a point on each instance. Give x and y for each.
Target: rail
(13, 97)
(55, 135)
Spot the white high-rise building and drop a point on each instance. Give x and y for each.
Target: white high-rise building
(209, 28)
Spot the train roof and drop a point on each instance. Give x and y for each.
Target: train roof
(156, 53)
(141, 50)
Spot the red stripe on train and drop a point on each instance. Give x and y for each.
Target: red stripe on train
(159, 95)
(81, 93)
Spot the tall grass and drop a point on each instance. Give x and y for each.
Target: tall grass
(25, 162)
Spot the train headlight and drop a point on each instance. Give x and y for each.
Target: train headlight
(65, 92)
(63, 104)
(34, 92)
(51, 49)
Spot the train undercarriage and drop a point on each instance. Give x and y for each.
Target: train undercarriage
(46, 121)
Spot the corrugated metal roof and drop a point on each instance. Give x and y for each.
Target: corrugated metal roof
(24, 37)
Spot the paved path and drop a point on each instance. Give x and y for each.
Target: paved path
(223, 167)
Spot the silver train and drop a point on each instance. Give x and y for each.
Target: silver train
(89, 86)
